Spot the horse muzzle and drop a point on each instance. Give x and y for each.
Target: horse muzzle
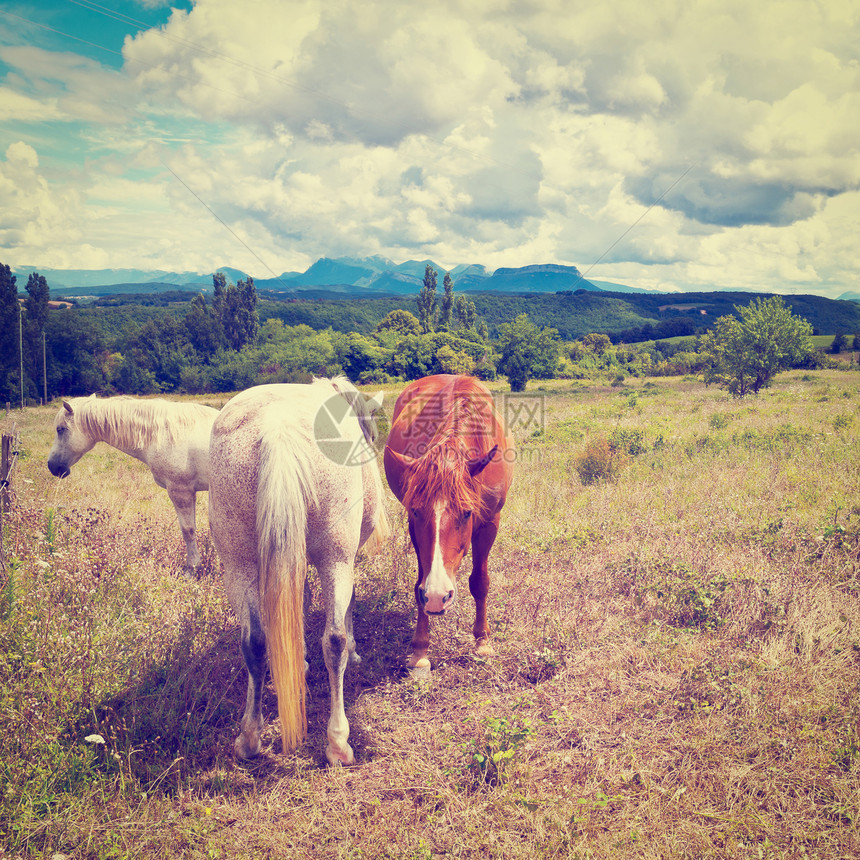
(58, 470)
(436, 604)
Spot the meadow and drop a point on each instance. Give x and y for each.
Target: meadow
(676, 611)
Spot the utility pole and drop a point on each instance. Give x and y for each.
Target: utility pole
(21, 351)
(44, 369)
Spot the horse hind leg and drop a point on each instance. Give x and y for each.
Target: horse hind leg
(337, 642)
(354, 657)
(253, 644)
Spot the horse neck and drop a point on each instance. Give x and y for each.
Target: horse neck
(102, 425)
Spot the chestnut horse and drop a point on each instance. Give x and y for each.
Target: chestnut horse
(450, 462)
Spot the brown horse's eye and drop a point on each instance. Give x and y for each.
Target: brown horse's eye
(466, 516)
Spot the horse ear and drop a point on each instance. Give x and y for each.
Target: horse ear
(404, 460)
(478, 465)
(68, 407)
(374, 404)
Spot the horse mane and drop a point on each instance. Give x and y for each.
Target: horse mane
(360, 406)
(133, 423)
(443, 471)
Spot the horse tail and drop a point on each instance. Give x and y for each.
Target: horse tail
(381, 531)
(284, 490)
(377, 539)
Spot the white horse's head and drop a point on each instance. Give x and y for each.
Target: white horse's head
(365, 408)
(70, 442)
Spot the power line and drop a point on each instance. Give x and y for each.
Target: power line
(223, 222)
(99, 9)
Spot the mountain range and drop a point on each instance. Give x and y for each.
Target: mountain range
(370, 276)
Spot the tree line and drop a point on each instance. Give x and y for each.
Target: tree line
(222, 345)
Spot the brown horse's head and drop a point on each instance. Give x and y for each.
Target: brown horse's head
(442, 498)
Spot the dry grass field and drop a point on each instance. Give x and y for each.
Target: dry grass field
(676, 608)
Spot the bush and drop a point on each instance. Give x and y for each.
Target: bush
(600, 461)
(626, 440)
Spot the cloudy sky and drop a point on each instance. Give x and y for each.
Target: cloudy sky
(675, 144)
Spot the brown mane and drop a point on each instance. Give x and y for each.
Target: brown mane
(442, 473)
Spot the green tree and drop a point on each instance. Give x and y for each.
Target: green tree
(465, 312)
(248, 318)
(527, 352)
(35, 318)
(840, 342)
(219, 304)
(427, 310)
(597, 343)
(357, 354)
(454, 362)
(400, 321)
(10, 312)
(446, 307)
(744, 352)
(202, 329)
(77, 354)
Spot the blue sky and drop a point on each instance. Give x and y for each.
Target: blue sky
(682, 144)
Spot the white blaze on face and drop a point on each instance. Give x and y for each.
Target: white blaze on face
(437, 583)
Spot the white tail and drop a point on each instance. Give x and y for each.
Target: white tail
(283, 492)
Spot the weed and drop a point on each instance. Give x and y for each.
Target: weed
(8, 590)
(843, 422)
(489, 759)
(50, 529)
(686, 597)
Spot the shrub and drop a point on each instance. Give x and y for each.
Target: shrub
(600, 461)
(627, 440)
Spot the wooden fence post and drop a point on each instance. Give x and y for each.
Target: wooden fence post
(8, 454)
(4, 483)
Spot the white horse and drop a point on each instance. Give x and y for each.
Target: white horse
(171, 438)
(294, 481)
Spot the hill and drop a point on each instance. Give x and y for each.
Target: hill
(573, 313)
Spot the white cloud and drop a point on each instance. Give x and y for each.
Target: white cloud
(32, 213)
(491, 131)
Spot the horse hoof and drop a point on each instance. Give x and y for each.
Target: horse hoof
(421, 671)
(337, 758)
(354, 659)
(244, 749)
(484, 649)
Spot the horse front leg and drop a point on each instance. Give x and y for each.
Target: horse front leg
(419, 663)
(185, 502)
(479, 583)
(253, 643)
(337, 644)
